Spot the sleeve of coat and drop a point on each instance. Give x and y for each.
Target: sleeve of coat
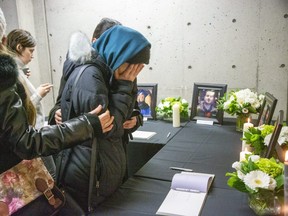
(27, 142)
(94, 89)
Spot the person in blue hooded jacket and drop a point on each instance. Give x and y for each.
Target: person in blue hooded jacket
(115, 60)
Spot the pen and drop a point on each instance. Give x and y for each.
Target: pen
(181, 169)
(168, 134)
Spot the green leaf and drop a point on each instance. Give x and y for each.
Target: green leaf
(237, 183)
(280, 180)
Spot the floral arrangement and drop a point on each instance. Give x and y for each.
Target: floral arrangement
(259, 137)
(256, 173)
(255, 137)
(241, 102)
(164, 108)
(282, 139)
(263, 180)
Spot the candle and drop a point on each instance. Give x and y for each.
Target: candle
(286, 184)
(176, 115)
(246, 127)
(243, 154)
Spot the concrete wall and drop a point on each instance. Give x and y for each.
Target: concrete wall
(242, 43)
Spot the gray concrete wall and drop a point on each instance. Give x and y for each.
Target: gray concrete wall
(242, 43)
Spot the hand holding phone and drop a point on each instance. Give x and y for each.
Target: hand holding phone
(26, 71)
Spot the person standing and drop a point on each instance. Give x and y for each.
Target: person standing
(115, 60)
(133, 121)
(18, 138)
(23, 44)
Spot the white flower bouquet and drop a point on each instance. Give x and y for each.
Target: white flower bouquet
(256, 173)
(263, 180)
(164, 108)
(242, 102)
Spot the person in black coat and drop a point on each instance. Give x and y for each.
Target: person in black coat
(114, 60)
(135, 118)
(19, 140)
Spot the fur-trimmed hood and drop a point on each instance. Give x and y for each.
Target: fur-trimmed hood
(80, 48)
(116, 46)
(8, 72)
(81, 52)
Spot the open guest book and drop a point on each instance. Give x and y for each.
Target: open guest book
(187, 194)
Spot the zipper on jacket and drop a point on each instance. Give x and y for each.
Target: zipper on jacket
(97, 187)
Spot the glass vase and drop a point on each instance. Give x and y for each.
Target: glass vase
(240, 120)
(264, 203)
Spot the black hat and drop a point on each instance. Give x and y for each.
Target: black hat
(8, 72)
(142, 57)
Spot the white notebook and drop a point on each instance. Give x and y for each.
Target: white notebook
(187, 194)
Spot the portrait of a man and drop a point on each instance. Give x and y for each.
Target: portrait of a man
(207, 101)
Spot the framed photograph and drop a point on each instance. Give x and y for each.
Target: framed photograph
(147, 98)
(204, 102)
(273, 144)
(279, 150)
(267, 109)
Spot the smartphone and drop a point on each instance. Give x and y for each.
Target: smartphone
(26, 70)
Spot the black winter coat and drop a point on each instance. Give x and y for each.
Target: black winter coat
(95, 87)
(20, 141)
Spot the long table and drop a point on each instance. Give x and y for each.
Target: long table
(142, 150)
(203, 148)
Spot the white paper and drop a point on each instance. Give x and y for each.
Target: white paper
(189, 202)
(204, 122)
(185, 181)
(143, 134)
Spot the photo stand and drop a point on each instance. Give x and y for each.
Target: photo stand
(267, 109)
(204, 103)
(147, 98)
(273, 144)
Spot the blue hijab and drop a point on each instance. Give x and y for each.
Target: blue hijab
(119, 44)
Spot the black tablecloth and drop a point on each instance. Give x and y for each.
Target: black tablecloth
(162, 129)
(143, 196)
(141, 150)
(203, 148)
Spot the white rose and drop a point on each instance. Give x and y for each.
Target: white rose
(240, 175)
(236, 165)
(272, 184)
(267, 139)
(254, 158)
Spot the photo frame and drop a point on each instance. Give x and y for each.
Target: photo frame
(147, 98)
(279, 150)
(204, 102)
(267, 109)
(273, 144)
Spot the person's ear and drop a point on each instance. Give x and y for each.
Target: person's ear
(93, 40)
(19, 48)
(4, 40)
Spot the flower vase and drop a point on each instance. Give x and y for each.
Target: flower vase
(264, 203)
(240, 120)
